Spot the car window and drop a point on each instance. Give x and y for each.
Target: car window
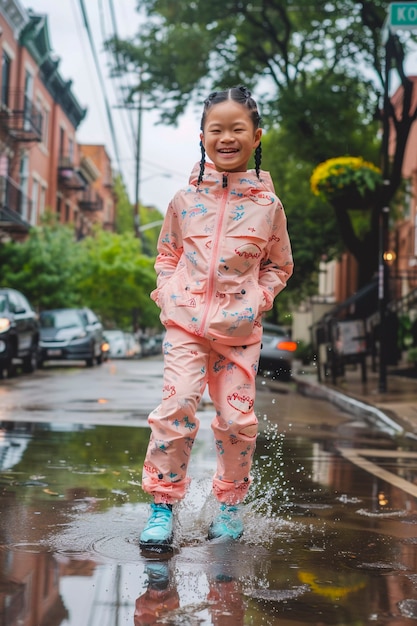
(13, 302)
(22, 303)
(92, 319)
(2, 303)
(84, 317)
(60, 319)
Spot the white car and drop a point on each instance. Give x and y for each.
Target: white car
(121, 345)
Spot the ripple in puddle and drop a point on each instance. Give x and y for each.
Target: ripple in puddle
(381, 514)
(277, 595)
(32, 548)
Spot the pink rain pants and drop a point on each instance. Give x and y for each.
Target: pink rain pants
(191, 362)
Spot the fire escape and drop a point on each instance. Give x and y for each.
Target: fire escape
(20, 122)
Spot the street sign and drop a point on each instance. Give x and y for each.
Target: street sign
(402, 16)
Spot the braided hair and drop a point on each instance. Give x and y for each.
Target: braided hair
(243, 96)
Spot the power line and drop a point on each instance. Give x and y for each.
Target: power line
(102, 84)
(118, 87)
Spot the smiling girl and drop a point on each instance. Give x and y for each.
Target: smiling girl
(223, 255)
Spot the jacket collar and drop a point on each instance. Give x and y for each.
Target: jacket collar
(214, 178)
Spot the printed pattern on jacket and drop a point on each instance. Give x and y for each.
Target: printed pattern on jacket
(224, 254)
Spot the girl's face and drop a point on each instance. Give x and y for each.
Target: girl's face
(229, 136)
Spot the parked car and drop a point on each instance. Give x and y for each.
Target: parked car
(152, 344)
(19, 332)
(121, 344)
(277, 352)
(133, 345)
(71, 335)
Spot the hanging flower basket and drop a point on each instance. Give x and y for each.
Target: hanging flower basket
(349, 182)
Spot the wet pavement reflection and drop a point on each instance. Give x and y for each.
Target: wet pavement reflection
(328, 540)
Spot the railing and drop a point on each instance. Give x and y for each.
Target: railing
(21, 118)
(90, 201)
(15, 204)
(68, 174)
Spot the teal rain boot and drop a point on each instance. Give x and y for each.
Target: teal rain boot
(157, 536)
(227, 524)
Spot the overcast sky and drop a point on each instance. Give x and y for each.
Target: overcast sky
(167, 154)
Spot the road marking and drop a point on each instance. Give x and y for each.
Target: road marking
(357, 457)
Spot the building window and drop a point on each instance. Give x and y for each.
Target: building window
(24, 176)
(27, 109)
(44, 115)
(5, 79)
(42, 200)
(61, 142)
(45, 127)
(35, 202)
(71, 149)
(67, 212)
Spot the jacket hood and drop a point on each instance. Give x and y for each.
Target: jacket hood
(212, 176)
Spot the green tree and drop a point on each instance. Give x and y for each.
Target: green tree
(124, 213)
(106, 272)
(150, 219)
(291, 152)
(311, 226)
(275, 42)
(311, 65)
(116, 280)
(44, 267)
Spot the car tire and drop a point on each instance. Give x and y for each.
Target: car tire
(30, 362)
(91, 359)
(99, 359)
(9, 367)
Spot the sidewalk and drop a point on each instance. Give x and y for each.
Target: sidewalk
(394, 411)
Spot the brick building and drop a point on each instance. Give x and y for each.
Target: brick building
(42, 167)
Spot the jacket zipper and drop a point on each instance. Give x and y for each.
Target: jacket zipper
(213, 261)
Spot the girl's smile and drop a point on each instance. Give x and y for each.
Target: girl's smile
(229, 136)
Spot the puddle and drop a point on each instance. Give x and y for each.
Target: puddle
(321, 544)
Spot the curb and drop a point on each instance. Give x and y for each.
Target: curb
(351, 405)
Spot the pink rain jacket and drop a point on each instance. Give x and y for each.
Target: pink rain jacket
(224, 254)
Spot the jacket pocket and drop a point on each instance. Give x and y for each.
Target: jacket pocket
(179, 299)
(236, 312)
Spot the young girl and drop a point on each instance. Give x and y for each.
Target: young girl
(223, 255)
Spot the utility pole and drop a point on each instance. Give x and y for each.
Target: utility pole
(136, 213)
(383, 227)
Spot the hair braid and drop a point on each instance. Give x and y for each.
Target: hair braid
(258, 159)
(202, 163)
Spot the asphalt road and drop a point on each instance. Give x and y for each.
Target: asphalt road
(330, 523)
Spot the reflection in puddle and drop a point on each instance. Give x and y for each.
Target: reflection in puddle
(71, 509)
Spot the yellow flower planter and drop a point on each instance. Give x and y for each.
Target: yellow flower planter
(351, 181)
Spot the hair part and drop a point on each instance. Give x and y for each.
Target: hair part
(242, 96)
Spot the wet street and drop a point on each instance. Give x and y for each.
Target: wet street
(330, 525)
